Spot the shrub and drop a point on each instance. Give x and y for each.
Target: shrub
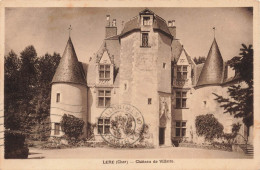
(90, 131)
(15, 146)
(230, 137)
(208, 126)
(143, 133)
(72, 126)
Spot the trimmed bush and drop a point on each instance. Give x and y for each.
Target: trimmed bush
(72, 126)
(209, 127)
(15, 147)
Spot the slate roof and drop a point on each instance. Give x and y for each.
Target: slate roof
(177, 49)
(131, 25)
(160, 24)
(212, 72)
(198, 71)
(135, 24)
(69, 69)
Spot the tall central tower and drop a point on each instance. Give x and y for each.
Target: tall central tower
(145, 71)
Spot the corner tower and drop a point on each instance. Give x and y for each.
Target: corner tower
(212, 72)
(69, 90)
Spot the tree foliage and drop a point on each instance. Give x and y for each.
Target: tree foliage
(208, 126)
(72, 126)
(240, 103)
(199, 60)
(27, 90)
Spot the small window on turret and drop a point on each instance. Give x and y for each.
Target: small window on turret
(149, 100)
(58, 98)
(164, 65)
(56, 128)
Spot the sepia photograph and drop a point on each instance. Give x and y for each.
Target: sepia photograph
(128, 85)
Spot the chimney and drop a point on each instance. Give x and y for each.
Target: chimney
(169, 23)
(172, 28)
(111, 30)
(173, 23)
(108, 20)
(114, 23)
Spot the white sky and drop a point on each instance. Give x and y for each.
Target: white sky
(47, 28)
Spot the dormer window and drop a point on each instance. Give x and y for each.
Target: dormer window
(182, 72)
(104, 72)
(147, 20)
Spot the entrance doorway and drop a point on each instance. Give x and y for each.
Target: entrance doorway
(161, 135)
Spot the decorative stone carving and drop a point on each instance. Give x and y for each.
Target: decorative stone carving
(104, 82)
(164, 111)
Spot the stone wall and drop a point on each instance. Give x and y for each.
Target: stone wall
(138, 68)
(164, 57)
(73, 101)
(94, 112)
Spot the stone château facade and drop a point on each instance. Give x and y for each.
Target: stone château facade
(147, 67)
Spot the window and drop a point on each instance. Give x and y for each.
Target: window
(146, 21)
(149, 100)
(103, 125)
(56, 128)
(180, 128)
(182, 72)
(164, 65)
(144, 39)
(58, 98)
(181, 99)
(104, 71)
(104, 98)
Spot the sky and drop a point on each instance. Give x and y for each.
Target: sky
(47, 28)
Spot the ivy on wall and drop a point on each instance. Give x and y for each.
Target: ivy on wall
(209, 127)
(72, 126)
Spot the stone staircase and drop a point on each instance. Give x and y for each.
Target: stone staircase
(248, 150)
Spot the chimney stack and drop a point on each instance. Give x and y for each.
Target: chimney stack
(114, 23)
(111, 29)
(169, 23)
(108, 20)
(173, 23)
(172, 28)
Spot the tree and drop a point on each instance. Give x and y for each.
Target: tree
(12, 65)
(199, 60)
(46, 67)
(27, 91)
(240, 103)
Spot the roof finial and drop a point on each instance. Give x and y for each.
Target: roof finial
(214, 29)
(69, 30)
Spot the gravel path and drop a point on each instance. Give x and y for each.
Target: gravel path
(162, 153)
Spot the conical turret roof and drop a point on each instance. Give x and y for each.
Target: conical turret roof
(213, 68)
(69, 69)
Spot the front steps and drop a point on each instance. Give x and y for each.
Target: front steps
(248, 150)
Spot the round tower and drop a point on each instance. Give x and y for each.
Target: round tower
(69, 90)
(212, 71)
